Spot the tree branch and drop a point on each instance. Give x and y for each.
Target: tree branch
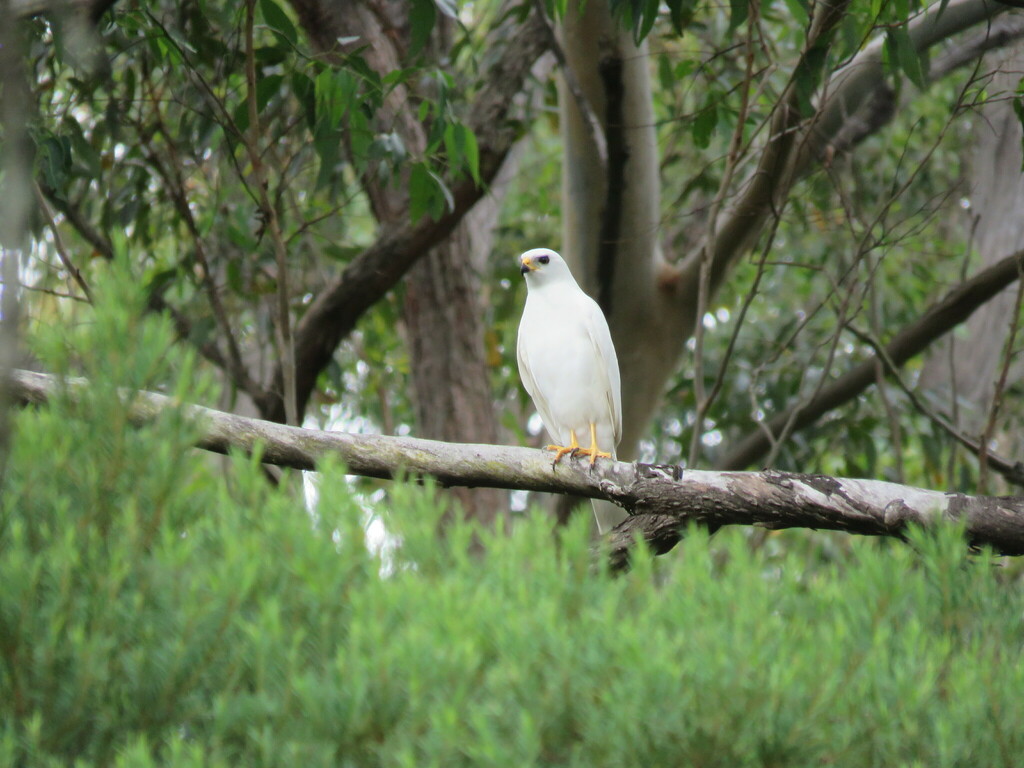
(864, 76)
(92, 9)
(774, 177)
(880, 107)
(952, 310)
(58, 242)
(663, 499)
(156, 302)
(285, 338)
(794, 149)
(590, 119)
(1012, 471)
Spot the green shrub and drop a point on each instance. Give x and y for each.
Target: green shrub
(156, 609)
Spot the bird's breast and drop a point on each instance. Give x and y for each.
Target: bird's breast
(558, 345)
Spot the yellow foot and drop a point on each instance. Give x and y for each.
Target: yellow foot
(592, 451)
(594, 454)
(561, 450)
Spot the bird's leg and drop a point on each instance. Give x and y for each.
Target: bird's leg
(561, 450)
(592, 451)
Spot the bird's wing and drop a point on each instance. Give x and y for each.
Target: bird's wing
(526, 374)
(610, 384)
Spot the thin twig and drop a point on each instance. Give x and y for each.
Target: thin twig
(286, 341)
(182, 325)
(173, 178)
(51, 292)
(73, 215)
(58, 243)
(172, 175)
(865, 245)
(1012, 471)
(226, 121)
(707, 258)
(1000, 389)
(954, 308)
(593, 125)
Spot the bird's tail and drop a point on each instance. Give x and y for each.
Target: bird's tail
(607, 515)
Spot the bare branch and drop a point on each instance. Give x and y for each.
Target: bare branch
(952, 310)
(774, 175)
(1005, 31)
(663, 499)
(879, 108)
(173, 175)
(73, 214)
(156, 303)
(864, 76)
(703, 401)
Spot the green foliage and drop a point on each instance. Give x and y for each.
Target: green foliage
(158, 612)
(154, 144)
(641, 15)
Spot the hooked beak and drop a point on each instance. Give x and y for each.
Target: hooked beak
(526, 265)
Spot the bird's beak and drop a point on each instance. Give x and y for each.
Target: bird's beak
(526, 265)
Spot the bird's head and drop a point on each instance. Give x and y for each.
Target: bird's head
(542, 264)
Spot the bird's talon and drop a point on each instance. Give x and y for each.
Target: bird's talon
(560, 451)
(594, 454)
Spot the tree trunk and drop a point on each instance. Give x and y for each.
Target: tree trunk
(967, 367)
(442, 311)
(611, 211)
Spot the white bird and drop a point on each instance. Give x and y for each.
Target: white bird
(567, 361)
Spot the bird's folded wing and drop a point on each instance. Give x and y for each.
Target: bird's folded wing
(601, 339)
(530, 383)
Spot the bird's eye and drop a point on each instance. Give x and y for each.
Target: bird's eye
(544, 259)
